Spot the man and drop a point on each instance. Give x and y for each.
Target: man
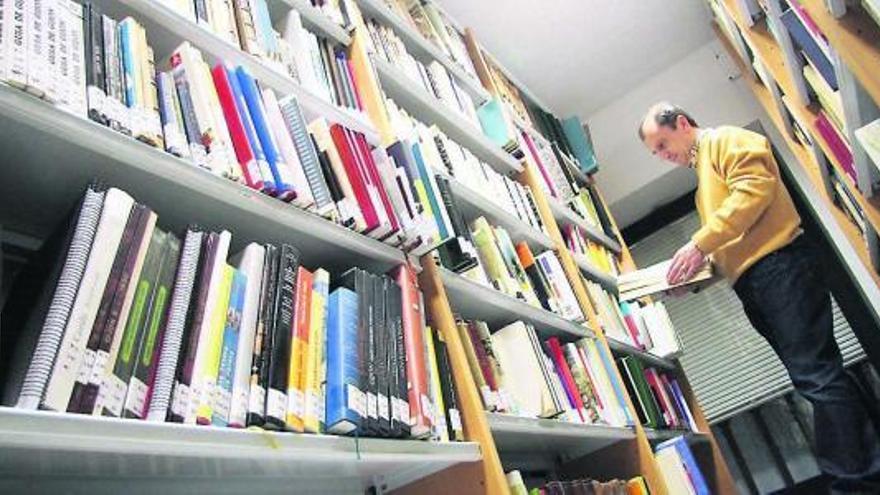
(751, 232)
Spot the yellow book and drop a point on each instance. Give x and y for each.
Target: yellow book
(299, 351)
(313, 416)
(368, 86)
(637, 486)
(439, 418)
(211, 364)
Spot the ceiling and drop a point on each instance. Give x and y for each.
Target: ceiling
(579, 55)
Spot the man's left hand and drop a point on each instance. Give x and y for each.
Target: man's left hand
(685, 264)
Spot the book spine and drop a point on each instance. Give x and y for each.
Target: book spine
(251, 265)
(143, 378)
(231, 336)
(279, 361)
(196, 150)
(205, 380)
(114, 385)
(15, 47)
(313, 415)
(37, 63)
(345, 402)
(439, 432)
(455, 430)
(175, 142)
(159, 400)
(303, 194)
(300, 351)
(245, 154)
(77, 70)
(296, 125)
(259, 378)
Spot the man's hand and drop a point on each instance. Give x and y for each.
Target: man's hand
(685, 264)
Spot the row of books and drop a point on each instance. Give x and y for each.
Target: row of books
(679, 468)
(437, 28)
(121, 318)
(432, 77)
(596, 254)
(645, 326)
(656, 395)
(518, 374)
(515, 271)
(634, 486)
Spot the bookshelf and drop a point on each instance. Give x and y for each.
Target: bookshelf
(73, 445)
(72, 151)
(166, 29)
(591, 272)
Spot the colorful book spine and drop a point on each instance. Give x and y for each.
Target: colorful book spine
(228, 354)
(281, 338)
(299, 355)
(210, 369)
(250, 263)
(345, 405)
(246, 154)
(313, 410)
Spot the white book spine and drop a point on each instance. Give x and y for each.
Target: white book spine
(117, 207)
(77, 88)
(53, 78)
(251, 264)
(64, 79)
(16, 62)
(4, 37)
(37, 71)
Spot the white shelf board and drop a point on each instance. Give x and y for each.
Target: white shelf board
(425, 107)
(566, 215)
(515, 435)
(474, 300)
(49, 157)
(41, 445)
(474, 204)
(421, 48)
(609, 282)
(312, 18)
(661, 435)
(166, 29)
(630, 350)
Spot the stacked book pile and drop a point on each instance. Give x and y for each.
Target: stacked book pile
(519, 374)
(121, 318)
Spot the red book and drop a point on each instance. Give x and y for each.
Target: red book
(839, 147)
(376, 181)
(558, 358)
(662, 399)
(414, 343)
(630, 320)
(355, 176)
(244, 153)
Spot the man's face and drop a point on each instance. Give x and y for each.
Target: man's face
(672, 145)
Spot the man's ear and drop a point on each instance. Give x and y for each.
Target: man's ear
(681, 122)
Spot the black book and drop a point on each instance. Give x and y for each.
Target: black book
(93, 32)
(641, 412)
(454, 253)
(35, 291)
(279, 356)
(256, 415)
(447, 389)
(381, 341)
(111, 301)
(394, 298)
(357, 280)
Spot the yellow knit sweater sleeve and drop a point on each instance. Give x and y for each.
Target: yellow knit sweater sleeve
(744, 162)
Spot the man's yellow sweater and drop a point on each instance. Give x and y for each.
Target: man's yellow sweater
(744, 207)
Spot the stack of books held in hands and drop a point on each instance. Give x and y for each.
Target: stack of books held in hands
(651, 281)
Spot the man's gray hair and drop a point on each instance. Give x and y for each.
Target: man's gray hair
(665, 114)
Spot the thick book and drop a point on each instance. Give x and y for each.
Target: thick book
(47, 288)
(280, 338)
(308, 156)
(345, 402)
(694, 473)
(635, 374)
(250, 263)
(147, 358)
(413, 339)
(302, 196)
(159, 396)
(651, 281)
(581, 146)
(299, 352)
(114, 388)
(117, 206)
(229, 354)
(207, 374)
(358, 281)
(529, 388)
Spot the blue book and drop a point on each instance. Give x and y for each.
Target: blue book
(432, 193)
(810, 47)
(494, 123)
(690, 463)
(615, 384)
(223, 398)
(580, 144)
(278, 168)
(344, 400)
(129, 75)
(248, 124)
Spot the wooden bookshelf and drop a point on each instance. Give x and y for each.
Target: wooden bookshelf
(768, 52)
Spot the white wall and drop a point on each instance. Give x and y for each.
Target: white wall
(633, 182)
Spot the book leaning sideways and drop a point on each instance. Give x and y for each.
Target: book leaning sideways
(651, 281)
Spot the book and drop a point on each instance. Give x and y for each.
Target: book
(413, 338)
(529, 388)
(281, 338)
(222, 403)
(651, 281)
(313, 381)
(301, 352)
(260, 362)
(250, 263)
(160, 394)
(208, 374)
(345, 402)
